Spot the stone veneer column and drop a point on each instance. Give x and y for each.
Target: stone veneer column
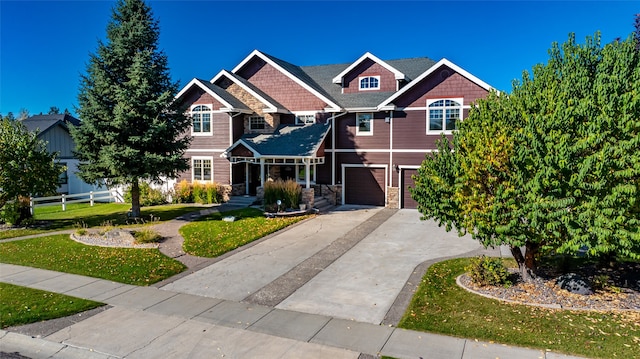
(393, 197)
(308, 197)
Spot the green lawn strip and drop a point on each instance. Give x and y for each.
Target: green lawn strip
(21, 305)
(210, 236)
(60, 253)
(441, 306)
(82, 214)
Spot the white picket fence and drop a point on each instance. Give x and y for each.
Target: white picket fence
(91, 197)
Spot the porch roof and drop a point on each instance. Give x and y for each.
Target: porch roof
(287, 141)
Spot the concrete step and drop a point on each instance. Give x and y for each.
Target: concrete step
(322, 204)
(241, 200)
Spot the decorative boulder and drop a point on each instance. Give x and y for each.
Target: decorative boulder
(574, 283)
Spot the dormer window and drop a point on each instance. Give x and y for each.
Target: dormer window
(305, 118)
(369, 83)
(257, 123)
(201, 120)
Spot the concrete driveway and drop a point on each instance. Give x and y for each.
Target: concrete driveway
(361, 280)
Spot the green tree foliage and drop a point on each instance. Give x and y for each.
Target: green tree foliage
(26, 167)
(131, 127)
(555, 165)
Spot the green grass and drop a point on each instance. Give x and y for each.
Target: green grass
(60, 253)
(211, 237)
(441, 306)
(83, 213)
(20, 305)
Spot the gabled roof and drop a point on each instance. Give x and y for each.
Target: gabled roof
(286, 141)
(294, 73)
(271, 104)
(398, 75)
(43, 123)
(386, 104)
(229, 102)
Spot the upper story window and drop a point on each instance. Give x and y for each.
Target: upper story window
(305, 119)
(201, 120)
(257, 123)
(370, 83)
(364, 123)
(443, 115)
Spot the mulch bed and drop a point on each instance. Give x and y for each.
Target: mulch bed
(623, 292)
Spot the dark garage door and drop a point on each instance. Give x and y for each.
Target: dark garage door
(364, 185)
(407, 181)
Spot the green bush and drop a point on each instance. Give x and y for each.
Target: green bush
(488, 271)
(16, 212)
(146, 235)
(208, 193)
(148, 196)
(289, 192)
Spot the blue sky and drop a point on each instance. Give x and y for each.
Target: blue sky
(45, 45)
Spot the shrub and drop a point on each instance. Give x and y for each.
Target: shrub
(289, 192)
(16, 212)
(488, 271)
(148, 196)
(146, 235)
(183, 192)
(207, 193)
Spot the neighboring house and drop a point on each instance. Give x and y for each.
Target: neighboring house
(54, 130)
(358, 130)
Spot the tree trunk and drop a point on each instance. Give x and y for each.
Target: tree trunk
(135, 198)
(526, 262)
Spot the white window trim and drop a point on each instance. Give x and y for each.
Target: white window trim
(264, 120)
(459, 100)
(306, 113)
(370, 132)
(368, 88)
(205, 158)
(201, 133)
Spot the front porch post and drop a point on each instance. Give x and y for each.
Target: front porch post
(246, 178)
(307, 169)
(262, 179)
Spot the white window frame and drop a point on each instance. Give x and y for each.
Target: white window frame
(459, 107)
(365, 133)
(303, 118)
(209, 112)
(369, 87)
(256, 117)
(193, 168)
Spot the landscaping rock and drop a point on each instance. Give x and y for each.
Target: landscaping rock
(574, 283)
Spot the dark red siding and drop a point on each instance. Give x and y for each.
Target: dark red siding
(346, 133)
(280, 87)
(351, 81)
(443, 83)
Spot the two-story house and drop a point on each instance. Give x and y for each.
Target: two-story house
(358, 130)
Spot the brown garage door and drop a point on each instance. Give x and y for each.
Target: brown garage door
(364, 185)
(407, 181)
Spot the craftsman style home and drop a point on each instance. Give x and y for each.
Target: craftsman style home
(354, 132)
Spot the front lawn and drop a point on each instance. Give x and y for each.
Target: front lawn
(82, 214)
(21, 305)
(60, 253)
(441, 306)
(210, 236)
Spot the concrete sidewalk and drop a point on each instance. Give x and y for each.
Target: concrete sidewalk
(146, 322)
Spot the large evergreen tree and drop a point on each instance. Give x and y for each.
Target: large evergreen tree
(131, 128)
(555, 165)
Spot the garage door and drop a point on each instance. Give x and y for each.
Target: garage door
(407, 181)
(364, 185)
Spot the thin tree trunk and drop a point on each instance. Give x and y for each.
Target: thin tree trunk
(135, 198)
(525, 272)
